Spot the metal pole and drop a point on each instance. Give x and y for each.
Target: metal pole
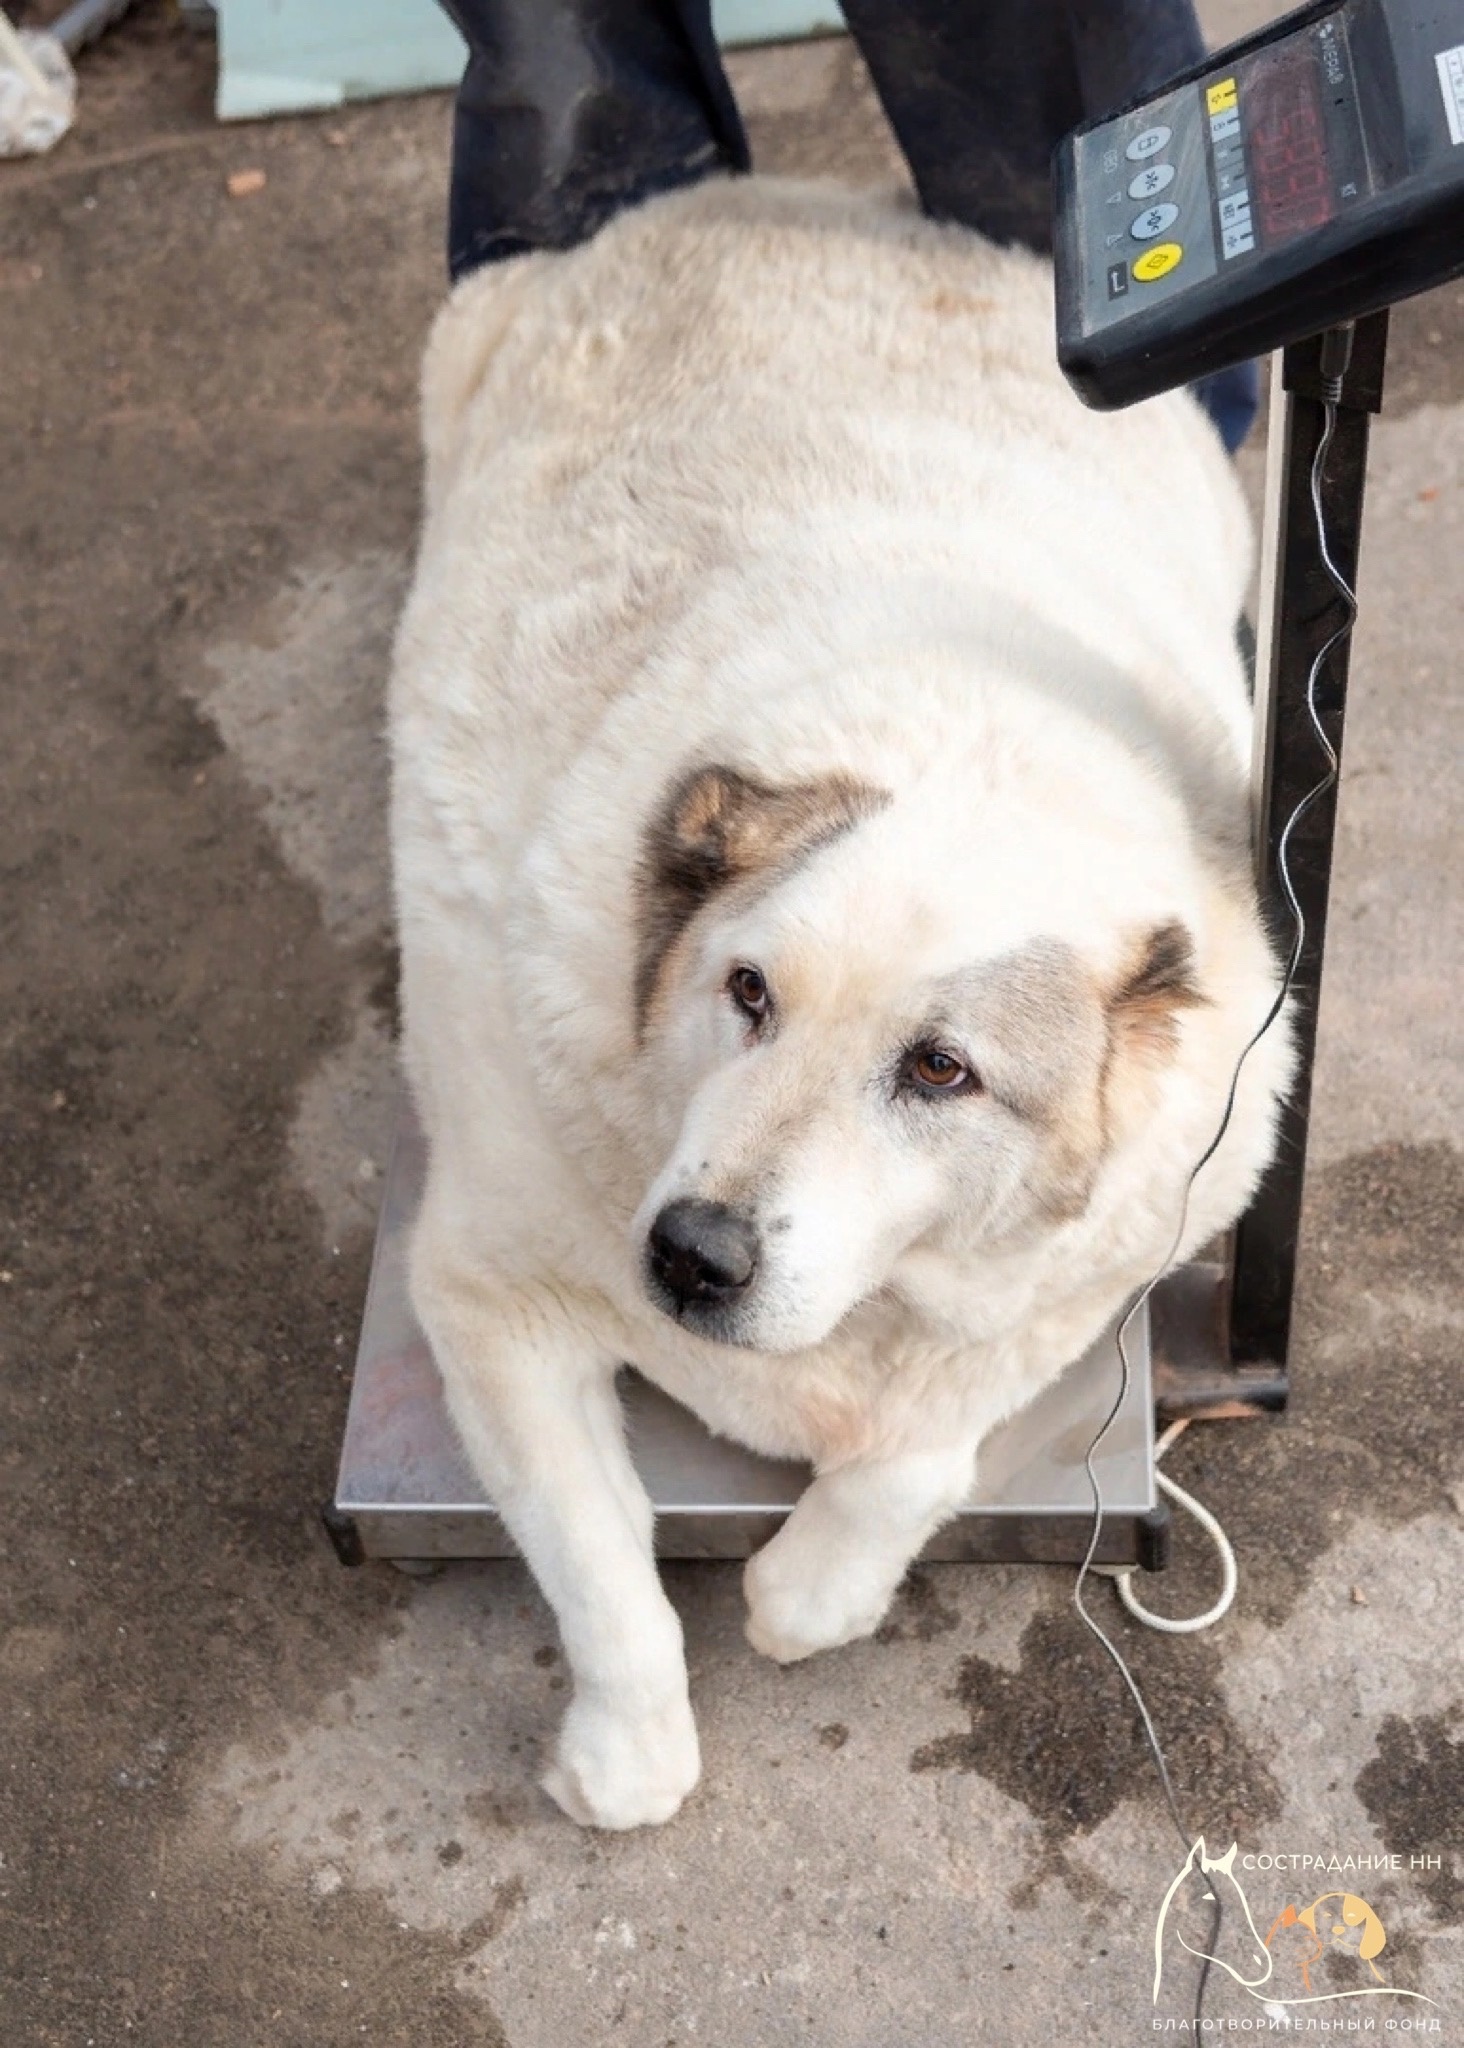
(1300, 608)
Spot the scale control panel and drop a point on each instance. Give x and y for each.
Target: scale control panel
(1307, 175)
(1189, 184)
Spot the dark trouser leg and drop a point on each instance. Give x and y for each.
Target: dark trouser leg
(980, 92)
(570, 110)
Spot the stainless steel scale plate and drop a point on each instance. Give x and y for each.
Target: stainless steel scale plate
(406, 1492)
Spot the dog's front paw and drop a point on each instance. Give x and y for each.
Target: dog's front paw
(619, 1769)
(794, 1607)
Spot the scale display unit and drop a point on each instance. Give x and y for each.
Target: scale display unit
(1307, 176)
(1279, 197)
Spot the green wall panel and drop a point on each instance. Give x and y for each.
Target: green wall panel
(283, 56)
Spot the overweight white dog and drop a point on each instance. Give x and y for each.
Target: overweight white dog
(821, 839)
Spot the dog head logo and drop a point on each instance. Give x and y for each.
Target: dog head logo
(1337, 1920)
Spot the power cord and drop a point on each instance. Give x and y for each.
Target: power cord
(1335, 354)
(1123, 1574)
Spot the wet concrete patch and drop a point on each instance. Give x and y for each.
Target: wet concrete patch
(175, 1335)
(1350, 1700)
(1413, 1790)
(809, 1857)
(1346, 1517)
(1060, 1733)
(918, 1614)
(1376, 1422)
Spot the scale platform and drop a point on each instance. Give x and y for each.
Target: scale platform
(406, 1493)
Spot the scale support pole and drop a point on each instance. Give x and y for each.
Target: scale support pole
(1299, 608)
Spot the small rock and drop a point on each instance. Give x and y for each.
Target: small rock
(244, 184)
(1359, 1598)
(326, 1881)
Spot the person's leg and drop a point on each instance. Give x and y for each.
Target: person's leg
(570, 110)
(980, 92)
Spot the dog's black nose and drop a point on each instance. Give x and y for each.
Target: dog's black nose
(702, 1251)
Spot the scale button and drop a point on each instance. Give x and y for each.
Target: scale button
(1151, 180)
(1155, 222)
(1157, 262)
(1148, 144)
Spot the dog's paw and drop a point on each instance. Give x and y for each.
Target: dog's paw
(614, 1769)
(794, 1609)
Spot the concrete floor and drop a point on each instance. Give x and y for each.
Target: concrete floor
(248, 1798)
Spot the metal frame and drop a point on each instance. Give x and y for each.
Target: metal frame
(1222, 1332)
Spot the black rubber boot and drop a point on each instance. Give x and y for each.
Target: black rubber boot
(571, 110)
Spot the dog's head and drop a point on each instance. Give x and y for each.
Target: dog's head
(876, 1039)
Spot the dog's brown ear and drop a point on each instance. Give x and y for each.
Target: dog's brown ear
(1159, 982)
(1143, 1010)
(718, 826)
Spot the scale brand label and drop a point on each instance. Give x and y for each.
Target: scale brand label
(1450, 65)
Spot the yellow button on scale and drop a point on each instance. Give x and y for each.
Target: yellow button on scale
(1158, 261)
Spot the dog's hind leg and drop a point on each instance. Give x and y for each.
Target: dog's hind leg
(533, 1397)
(829, 1574)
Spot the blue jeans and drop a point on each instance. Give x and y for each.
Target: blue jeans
(570, 110)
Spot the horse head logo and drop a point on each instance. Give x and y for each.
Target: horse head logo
(1205, 1880)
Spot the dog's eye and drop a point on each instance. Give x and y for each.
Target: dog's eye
(750, 993)
(939, 1073)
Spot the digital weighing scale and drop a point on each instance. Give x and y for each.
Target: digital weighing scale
(406, 1491)
(1299, 182)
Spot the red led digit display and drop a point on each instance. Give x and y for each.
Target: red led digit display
(1287, 138)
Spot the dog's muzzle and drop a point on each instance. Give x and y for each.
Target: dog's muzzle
(700, 1257)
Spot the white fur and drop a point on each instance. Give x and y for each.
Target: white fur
(778, 477)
